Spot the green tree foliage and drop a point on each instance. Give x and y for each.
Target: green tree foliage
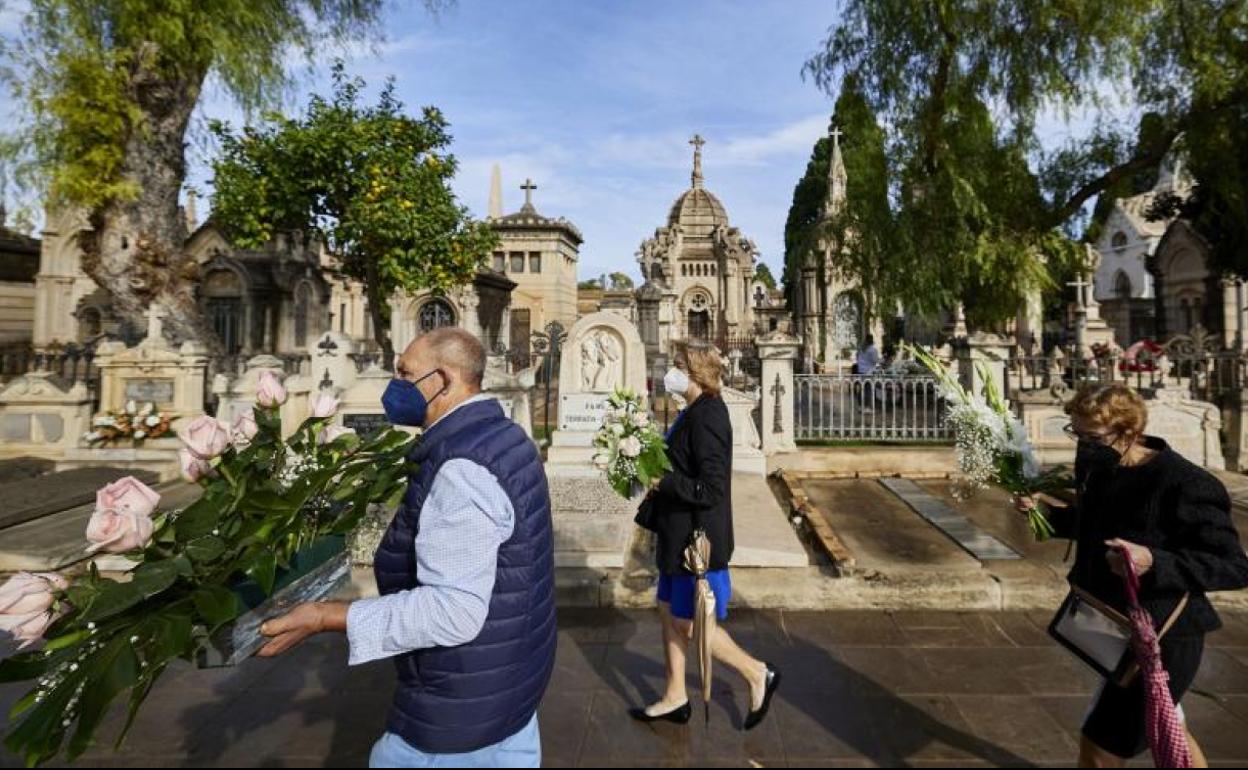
(964, 84)
(763, 273)
(1216, 153)
(370, 181)
(108, 88)
(620, 282)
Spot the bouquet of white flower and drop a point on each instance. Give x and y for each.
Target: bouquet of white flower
(630, 448)
(134, 423)
(991, 444)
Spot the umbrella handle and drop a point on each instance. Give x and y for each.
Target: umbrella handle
(1132, 578)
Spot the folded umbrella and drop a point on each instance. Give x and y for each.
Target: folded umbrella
(697, 561)
(1167, 738)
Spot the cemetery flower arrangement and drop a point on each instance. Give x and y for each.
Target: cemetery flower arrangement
(991, 444)
(263, 499)
(1143, 356)
(133, 422)
(629, 447)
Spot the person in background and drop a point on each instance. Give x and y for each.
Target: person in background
(868, 357)
(1138, 495)
(697, 493)
(867, 361)
(466, 574)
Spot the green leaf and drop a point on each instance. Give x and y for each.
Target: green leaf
(112, 598)
(23, 667)
(154, 577)
(205, 549)
(199, 518)
(108, 673)
(66, 640)
(216, 604)
(264, 571)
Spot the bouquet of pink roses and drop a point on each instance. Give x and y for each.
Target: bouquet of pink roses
(264, 498)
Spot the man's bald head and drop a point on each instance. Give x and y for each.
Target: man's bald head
(452, 349)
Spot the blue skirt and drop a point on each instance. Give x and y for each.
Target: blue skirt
(678, 591)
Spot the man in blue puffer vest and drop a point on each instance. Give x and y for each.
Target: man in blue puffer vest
(465, 572)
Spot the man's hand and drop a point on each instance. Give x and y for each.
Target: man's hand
(1141, 557)
(303, 621)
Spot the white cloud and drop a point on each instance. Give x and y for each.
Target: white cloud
(796, 137)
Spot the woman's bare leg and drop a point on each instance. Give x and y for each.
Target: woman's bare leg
(754, 671)
(675, 654)
(1198, 754)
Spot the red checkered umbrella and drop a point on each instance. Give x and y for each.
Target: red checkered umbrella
(1166, 736)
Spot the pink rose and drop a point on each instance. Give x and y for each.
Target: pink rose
(206, 437)
(270, 392)
(193, 468)
(332, 433)
(122, 520)
(26, 603)
(245, 428)
(324, 405)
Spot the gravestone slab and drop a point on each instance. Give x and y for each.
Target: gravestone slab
(144, 391)
(20, 468)
(52, 425)
(15, 427)
(365, 424)
(603, 353)
(33, 498)
(956, 526)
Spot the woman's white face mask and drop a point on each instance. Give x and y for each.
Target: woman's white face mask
(676, 382)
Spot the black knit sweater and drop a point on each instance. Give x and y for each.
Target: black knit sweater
(1179, 511)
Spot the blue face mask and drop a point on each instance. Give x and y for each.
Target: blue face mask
(404, 404)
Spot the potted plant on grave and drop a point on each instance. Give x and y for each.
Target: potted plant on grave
(271, 509)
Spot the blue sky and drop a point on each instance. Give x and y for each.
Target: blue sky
(596, 101)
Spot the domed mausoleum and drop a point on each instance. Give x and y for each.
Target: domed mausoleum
(702, 263)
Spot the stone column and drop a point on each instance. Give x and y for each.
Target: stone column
(778, 353)
(1030, 320)
(1235, 424)
(987, 352)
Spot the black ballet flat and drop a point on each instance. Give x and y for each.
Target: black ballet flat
(679, 716)
(755, 718)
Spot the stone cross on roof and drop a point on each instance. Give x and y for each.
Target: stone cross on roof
(528, 188)
(836, 134)
(697, 141)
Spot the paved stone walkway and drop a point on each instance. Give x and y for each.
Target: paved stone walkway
(861, 689)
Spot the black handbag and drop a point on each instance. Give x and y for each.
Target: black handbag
(1100, 635)
(647, 516)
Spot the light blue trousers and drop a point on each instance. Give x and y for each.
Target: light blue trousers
(524, 749)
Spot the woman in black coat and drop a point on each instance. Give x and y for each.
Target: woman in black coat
(1174, 519)
(697, 494)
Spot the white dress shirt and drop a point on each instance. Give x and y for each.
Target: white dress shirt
(465, 518)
